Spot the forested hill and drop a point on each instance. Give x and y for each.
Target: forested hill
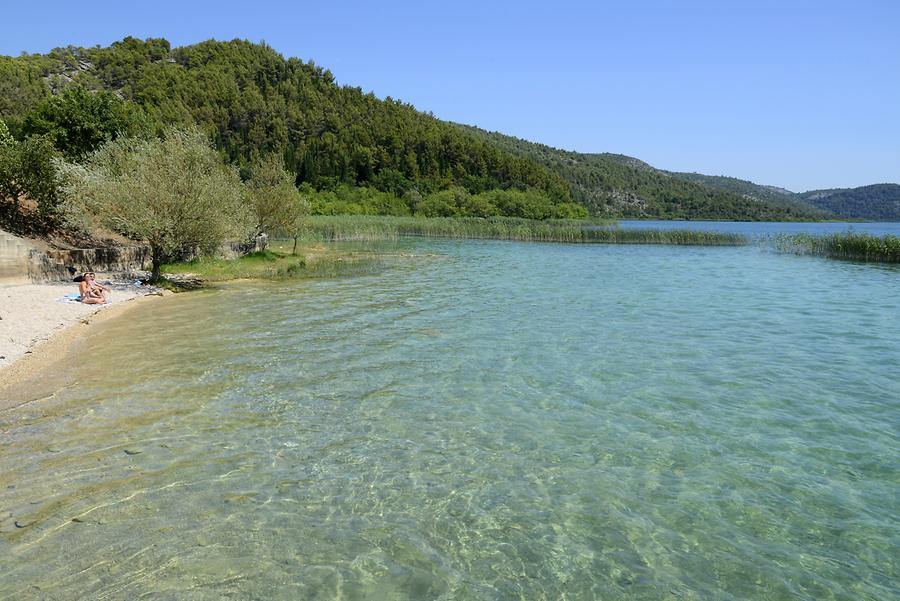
(878, 202)
(747, 189)
(254, 101)
(619, 185)
(738, 186)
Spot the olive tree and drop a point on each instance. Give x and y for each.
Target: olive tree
(278, 206)
(173, 193)
(273, 195)
(299, 211)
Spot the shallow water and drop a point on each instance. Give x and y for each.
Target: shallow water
(484, 420)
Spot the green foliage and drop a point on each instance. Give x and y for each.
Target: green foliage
(749, 190)
(256, 102)
(391, 181)
(568, 210)
(124, 62)
(525, 204)
(359, 154)
(28, 170)
(79, 121)
(879, 202)
(455, 201)
(275, 265)
(277, 204)
(446, 203)
(347, 200)
(256, 265)
(21, 86)
(738, 186)
(173, 193)
(6, 139)
(503, 228)
(848, 245)
(619, 186)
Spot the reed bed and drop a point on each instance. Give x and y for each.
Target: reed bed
(353, 227)
(848, 245)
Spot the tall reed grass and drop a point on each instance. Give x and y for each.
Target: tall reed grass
(848, 245)
(354, 227)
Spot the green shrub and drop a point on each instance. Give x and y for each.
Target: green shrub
(174, 194)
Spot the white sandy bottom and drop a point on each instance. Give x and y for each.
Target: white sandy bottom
(33, 313)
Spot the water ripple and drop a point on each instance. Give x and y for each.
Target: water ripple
(514, 421)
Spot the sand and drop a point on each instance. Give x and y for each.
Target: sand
(37, 327)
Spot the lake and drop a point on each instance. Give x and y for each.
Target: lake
(482, 420)
(757, 229)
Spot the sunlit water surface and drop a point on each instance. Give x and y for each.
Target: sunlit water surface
(768, 229)
(483, 420)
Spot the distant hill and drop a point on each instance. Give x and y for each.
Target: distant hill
(771, 194)
(878, 202)
(623, 186)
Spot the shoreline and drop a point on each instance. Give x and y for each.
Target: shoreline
(25, 360)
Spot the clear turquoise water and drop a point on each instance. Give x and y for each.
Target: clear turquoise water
(484, 420)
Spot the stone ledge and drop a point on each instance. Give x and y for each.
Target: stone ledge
(25, 260)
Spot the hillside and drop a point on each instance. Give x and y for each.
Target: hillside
(254, 101)
(878, 202)
(771, 194)
(618, 185)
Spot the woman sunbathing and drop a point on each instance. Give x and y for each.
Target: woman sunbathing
(92, 293)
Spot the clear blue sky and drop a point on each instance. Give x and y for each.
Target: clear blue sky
(800, 94)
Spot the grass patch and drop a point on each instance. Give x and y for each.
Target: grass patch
(354, 227)
(270, 265)
(848, 245)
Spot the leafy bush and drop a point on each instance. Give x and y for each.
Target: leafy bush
(28, 170)
(277, 204)
(173, 193)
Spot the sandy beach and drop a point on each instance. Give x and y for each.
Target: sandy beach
(38, 325)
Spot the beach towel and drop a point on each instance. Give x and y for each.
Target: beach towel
(74, 297)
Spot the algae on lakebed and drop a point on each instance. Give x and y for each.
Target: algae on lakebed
(507, 421)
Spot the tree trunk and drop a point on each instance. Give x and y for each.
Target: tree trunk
(294, 252)
(154, 275)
